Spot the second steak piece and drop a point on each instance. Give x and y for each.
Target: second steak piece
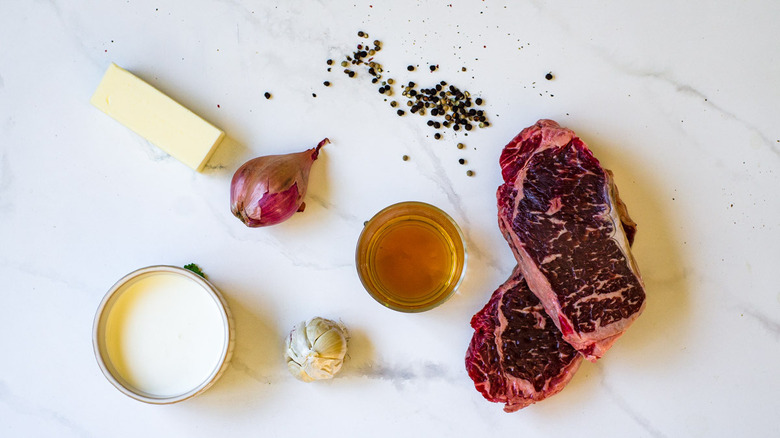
(570, 233)
(516, 355)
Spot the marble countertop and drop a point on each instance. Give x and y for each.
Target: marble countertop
(679, 99)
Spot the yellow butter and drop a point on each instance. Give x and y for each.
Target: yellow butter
(156, 117)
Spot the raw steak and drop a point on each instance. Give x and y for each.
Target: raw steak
(516, 355)
(570, 233)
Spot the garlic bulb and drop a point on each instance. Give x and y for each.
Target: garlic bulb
(316, 349)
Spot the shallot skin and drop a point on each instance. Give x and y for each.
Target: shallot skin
(268, 190)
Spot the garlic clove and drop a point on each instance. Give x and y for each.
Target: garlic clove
(319, 368)
(331, 344)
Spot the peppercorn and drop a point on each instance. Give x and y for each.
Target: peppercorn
(400, 112)
(461, 146)
(462, 161)
(267, 95)
(393, 104)
(437, 136)
(433, 68)
(326, 83)
(469, 173)
(330, 62)
(410, 68)
(549, 76)
(361, 34)
(478, 101)
(405, 158)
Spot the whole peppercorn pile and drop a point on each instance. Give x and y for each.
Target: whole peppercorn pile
(448, 106)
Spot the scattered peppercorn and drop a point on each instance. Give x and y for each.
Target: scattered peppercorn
(469, 173)
(442, 100)
(549, 76)
(461, 146)
(462, 161)
(267, 95)
(330, 62)
(326, 83)
(405, 158)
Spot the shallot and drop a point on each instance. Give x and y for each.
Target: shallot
(270, 189)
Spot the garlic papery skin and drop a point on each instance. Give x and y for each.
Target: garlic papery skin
(316, 349)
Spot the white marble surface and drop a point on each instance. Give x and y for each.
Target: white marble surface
(680, 99)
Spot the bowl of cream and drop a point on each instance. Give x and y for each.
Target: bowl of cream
(163, 334)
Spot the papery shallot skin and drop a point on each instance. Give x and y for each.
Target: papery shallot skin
(570, 233)
(268, 190)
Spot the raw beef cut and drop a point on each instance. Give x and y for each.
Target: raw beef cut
(517, 356)
(570, 233)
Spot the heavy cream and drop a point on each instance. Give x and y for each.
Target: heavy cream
(164, 334)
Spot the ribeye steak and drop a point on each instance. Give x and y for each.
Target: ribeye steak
(517, 356)
(570, 233)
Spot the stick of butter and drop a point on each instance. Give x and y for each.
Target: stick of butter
(156, 117)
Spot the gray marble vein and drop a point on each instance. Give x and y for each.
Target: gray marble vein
(443, 181)
(635, 415)
(23, 406)
(770, 325)
(401, 375)
(243, 368)
(660, 76)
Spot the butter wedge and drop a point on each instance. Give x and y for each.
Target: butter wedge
(156, 117)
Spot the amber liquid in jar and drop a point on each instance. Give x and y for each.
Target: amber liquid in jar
(411, 257)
